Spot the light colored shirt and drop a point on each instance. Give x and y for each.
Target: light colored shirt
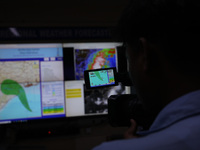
(177, 127)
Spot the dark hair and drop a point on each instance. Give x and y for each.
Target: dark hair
(173, 24)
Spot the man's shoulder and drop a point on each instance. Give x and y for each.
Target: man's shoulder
(180, 109)
(183, 134)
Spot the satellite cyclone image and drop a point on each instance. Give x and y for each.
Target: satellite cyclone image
(87, 59)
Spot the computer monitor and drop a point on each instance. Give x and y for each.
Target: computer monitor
(79, 57)
(46, 80)
(31, 82)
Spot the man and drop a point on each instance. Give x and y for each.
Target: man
(162, 38)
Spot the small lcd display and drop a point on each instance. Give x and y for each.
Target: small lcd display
(101, 78)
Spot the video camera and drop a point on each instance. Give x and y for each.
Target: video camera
(121, 108)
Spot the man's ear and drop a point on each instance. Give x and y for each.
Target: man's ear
(149, 55)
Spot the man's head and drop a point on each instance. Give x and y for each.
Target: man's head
(162, 37)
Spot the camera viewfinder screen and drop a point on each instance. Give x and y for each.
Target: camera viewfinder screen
(101, 78)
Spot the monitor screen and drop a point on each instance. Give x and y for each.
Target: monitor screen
(39, 81)
(31, 81)
(79, 57)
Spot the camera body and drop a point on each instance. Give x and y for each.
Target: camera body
(121, 108)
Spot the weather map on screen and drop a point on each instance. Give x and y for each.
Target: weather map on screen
(18, 78)
(87, 59)
(31, 81)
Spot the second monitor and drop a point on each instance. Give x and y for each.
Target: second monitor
(78, 57)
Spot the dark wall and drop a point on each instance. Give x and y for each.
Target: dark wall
(60, 13)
